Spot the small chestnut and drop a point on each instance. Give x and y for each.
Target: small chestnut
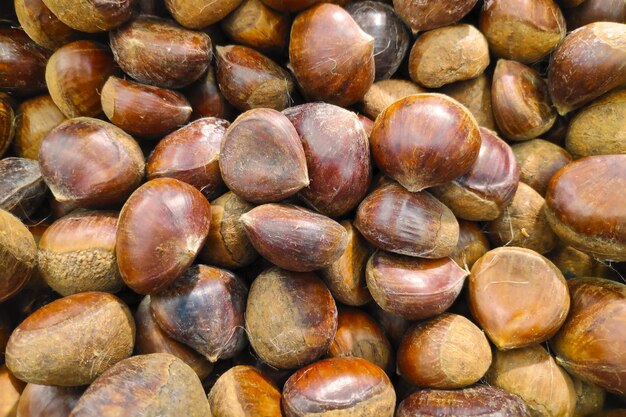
(91, 15)
(42, 25)
(22, 189)
(18, 255)
(36, 117)
(538, 160)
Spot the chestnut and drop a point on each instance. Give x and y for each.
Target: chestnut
(160, 231)
(448, 54)
(338, 159)
(200, 13)
(431, 14)
(289, 5)
(589, 398)
(90, 163)
(71, 341)
(595, 11)
(391, 36)
(598, 129)
(158, 384)
(538, 160)
(339, 386)
(587, 64)
(533, 374)
(446, 352)
(18, 255)
(382, 93)
(156, 51)
(413, 288)
(143, 110)
(326, 40)
(476, 401)
(585, 208)
(475, 94)
(488, 187)
(590, 343)
(77, 253)
(522, 30)
(294, 238)
(282, 304)
(518, 297)
(366, 123)
(471, 246)
(91, 15)
(206, 98)
(425, 140)
(256, 25)
(22, 63)
(204, 309)
(10, 391)
(42, 25)
(244, 388)
(22, 189)
(261, 157)
(414, 224)
(249, 79)
(523, 223)
(7, 123)
(47, 401)
(576, 264)
(36, 117)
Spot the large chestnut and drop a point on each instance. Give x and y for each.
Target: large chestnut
(518, 297)
(538, 160)
(425, 140)
(42, 25)
(382, 93)
(36, 117)
(475, 94)
(585, 208)
(338, 158)
(90, 163)
(200, 13)
(22, 63)
(22, 189)
(18, 255)
(326, 40)
(91, 15)
(424, 15)
(160, 231)
(48, 401)
(339, 386)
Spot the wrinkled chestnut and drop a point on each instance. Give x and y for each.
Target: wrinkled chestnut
(425, 140)
(326, 40)
(446, 352)
(294, 238)
(35, 119)
(475, 94)
(538, 160)
(282, 304)
(90, 163)
(159, 52)
(338, 158)
(336, 386)
(160, 231)
(47, 401)
(430, 14)
(382, 93)
(22, 189)
(518, 297)
(471, 246)
(18, 255)
(413, 288)
(200, 13)
(206, 98)
(191, 154)
(91, 15)
(77, 253)
(22, 63)
(71, 341)
(42, 25)
(7, 124)
(261, 158)
(585, 208)
(414, 224)
(75, 74)
(158, 384)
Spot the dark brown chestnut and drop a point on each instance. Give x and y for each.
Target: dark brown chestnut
(200, 13)
(18, 255)
(414, 224)
(22, 63)
(91, 15)
(22, 189)
(47, 401)
(90, 163)
(475, 94)
(156, 51)
(42, 25)
(595, 11)
(424, 15)
(191, 154)
(36, 117)
(339, 386)
(326, 40)
(338, 158)
(425, 140)
(413, 288)
(585, 208)
(290, 5)
(471, 246)
(576, 264)
(160, 231)
(206, 98)
(7, 123)
(382, 93)
(283, 304)
(261, 158)
(538, 160)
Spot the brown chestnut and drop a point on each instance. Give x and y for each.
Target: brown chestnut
(425, 140)
(158, 384)
(585, 207)
(289, 5)
(18, 255)
(42, 25)
(283, 304)
(430, 14)
(200, 13)
(90, 163)
(587, 64)
(22, 189)
(382, 93)
(538, 161)
(261, 158)
(446, 352)
(71, 341)
(326, 40)
(414, 224)
(413, 288)
(36, 117)
(156, 51)
(576, 264)
(7, 123)
(47, 401)
(339, 386)
(91, 15)
(595, 11)
(22, 63)
(10, 390)
(338, 158)
(160, 231)
(206, 98)
(471, 246)
(518, 297)
(475, 94)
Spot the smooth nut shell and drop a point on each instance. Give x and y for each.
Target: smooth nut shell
(383, 93)
(256, 25)
(431, 14)
(206, 98)
(91, 15)
(471, 246)
(538, 161)
(22, 189)
(18, 255)
(35, 119)
(200, 13)
(42, 25)
(47, 401)
(22, 64)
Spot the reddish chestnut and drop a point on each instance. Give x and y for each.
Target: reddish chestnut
(7, 123)
(207, 99)
(22, 63)
(596, 11)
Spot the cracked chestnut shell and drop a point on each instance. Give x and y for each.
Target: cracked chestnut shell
(42, 25)
(424, 15)
(18, 255)
(22, 64)
(91, 15)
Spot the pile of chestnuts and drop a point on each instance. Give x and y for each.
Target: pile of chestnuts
(334, 208)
